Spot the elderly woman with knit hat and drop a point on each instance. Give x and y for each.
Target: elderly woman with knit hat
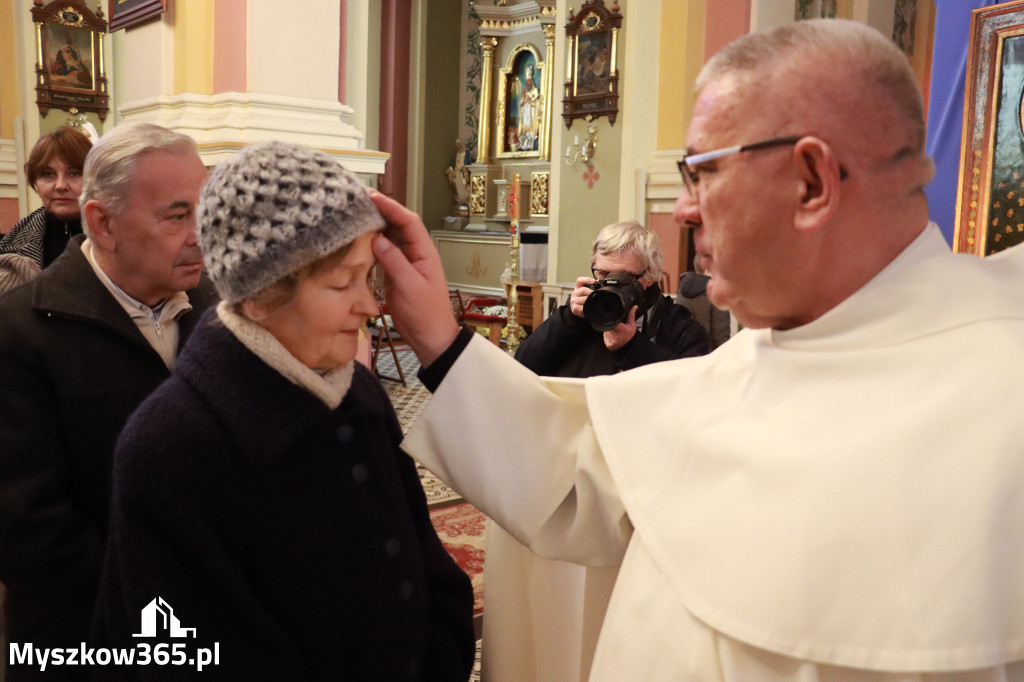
(260, 496)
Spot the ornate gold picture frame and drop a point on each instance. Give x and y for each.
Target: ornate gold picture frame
(990, 195)
(69, 57)
(522, 128)
(591, 72)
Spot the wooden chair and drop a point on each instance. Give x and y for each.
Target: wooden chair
(457, 303)
(384, 334)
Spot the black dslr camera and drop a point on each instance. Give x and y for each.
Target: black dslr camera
(611, 300)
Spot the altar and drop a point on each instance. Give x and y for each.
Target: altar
(507, 155)
(475, 260)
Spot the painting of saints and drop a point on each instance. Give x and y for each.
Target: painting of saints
(592, 74)
(1006, 184)
(529, 112)
(67, 67)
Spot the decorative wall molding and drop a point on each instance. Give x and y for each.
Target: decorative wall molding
(472, 67)
(664, 183)
(540, 184)
(501, 20)
(904, 25)
(221, 124)
(8, 169)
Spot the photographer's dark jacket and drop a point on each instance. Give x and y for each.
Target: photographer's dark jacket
(567, 346)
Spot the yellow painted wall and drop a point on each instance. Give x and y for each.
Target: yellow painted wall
(682, 56)
(193, 47)
(8, 71)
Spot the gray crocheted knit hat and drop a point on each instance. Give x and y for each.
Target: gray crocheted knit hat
(273, 209)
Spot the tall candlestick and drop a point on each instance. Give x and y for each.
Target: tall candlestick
(514, 198)
(512, 330)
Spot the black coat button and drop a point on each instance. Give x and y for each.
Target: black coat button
(360, 473)
(345, 433)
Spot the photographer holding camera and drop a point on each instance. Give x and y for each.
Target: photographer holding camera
(617, 319)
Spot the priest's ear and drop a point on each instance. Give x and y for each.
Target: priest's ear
(98, 219)
(820, 176)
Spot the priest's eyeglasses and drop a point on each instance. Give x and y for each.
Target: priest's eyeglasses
(689, 165)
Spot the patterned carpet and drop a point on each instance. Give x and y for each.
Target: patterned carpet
(461, 527)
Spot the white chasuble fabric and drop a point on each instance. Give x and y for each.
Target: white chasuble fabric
(841, 501)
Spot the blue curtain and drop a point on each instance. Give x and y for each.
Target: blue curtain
(946, 105)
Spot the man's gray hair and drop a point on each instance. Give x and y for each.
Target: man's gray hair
(630, 236)
(110, 165)
(829, 44)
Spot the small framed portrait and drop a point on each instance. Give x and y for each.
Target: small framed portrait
(990, 196)
(69, 58)
(128, 13)
(592, 75)
(522, 125)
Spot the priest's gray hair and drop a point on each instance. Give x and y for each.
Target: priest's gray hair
(630, 236)
(110, 165)
(861, 54)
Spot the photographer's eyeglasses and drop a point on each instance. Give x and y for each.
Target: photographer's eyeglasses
(603, 274)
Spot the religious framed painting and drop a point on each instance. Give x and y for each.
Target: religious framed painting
(69, 57)
(591, 72)
(522, 123)
(128, 13)
(990, 193)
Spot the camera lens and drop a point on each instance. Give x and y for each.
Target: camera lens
(605, 309)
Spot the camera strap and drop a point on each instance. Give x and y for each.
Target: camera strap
(651, 324)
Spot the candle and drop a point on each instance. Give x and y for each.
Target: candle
(515, 203)
(576, 140)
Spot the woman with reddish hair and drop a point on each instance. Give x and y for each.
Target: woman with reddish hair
(54, 171)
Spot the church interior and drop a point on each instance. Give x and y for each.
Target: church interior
(408, 93)
(517, 129)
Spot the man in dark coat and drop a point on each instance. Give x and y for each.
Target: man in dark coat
(692, 294)
(80, 347)
(566, 345)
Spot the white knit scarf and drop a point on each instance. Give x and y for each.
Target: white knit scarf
(330, 387)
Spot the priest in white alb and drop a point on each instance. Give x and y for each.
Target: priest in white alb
(835, 494)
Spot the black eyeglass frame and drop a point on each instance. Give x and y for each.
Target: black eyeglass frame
(594, 271)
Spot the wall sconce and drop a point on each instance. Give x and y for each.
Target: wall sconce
(585, 152)
(84, 125)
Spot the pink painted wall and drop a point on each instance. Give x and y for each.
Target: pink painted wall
(726, 21)
(8, 214)
(394, 95)
(229, 46)
(673, 242)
